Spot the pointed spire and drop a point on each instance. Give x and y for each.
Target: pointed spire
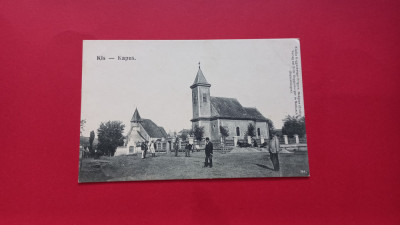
(136, 117)
(200, 80)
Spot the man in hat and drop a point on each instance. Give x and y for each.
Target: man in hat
(209, 153)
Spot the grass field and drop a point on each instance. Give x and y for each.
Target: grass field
(167, 166)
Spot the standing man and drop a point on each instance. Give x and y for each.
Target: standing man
(273, 152)
(176, 146)
(209, 153)
(187, 150)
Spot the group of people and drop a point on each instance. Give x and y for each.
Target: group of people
(148, 146)
(188, 148)
(273, 148)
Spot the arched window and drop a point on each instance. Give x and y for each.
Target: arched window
(259, 132)
(204, 97)
(237, 131)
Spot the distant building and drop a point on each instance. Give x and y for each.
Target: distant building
(212, 112)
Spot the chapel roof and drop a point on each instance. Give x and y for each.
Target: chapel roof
(230, 108)
(152, 129)
(136, 116)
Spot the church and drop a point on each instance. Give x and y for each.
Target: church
(141, 130)
(212, 112)
(144, 130)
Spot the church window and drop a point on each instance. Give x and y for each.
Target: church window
(205, 97)
(237, 131)
(259, 132)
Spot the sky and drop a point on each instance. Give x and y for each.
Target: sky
(157, 82)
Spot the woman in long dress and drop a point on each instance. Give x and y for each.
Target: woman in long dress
(152, 149)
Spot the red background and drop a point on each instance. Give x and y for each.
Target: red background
(350, 58)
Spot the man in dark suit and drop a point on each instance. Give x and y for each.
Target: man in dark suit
(209, 153)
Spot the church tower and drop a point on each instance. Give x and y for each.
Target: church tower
(201, 103)
(136, 120)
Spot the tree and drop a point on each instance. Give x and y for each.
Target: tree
(224, 132)
(294, 125)
(271, 128)
(251, 130)
(91, 139)
(82, 125)
(110, 137)
(184, 136)
(191, 132)
(198, 132)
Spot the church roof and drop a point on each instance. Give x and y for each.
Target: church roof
(200, 80)
(153, 130)
(254, 113)
(136, 117)
(230, 108)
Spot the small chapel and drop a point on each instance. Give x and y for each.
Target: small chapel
(212, 112)
(141, 130)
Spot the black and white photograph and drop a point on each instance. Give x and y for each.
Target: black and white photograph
(192, 109)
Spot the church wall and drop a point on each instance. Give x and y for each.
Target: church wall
(195, 102)
(232, 124)
(263, 129)
(243, 124)
(206, 125)
(207, 128)
(211, 128)
(215, 135)
(205, 107)
(199, 107)
(130, 139)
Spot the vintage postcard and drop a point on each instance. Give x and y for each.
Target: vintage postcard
(192, 109)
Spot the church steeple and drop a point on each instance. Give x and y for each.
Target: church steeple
(201, 100)
(200, 80)
(136, 117)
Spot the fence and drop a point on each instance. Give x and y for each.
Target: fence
(294, 140)
(163, 146)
